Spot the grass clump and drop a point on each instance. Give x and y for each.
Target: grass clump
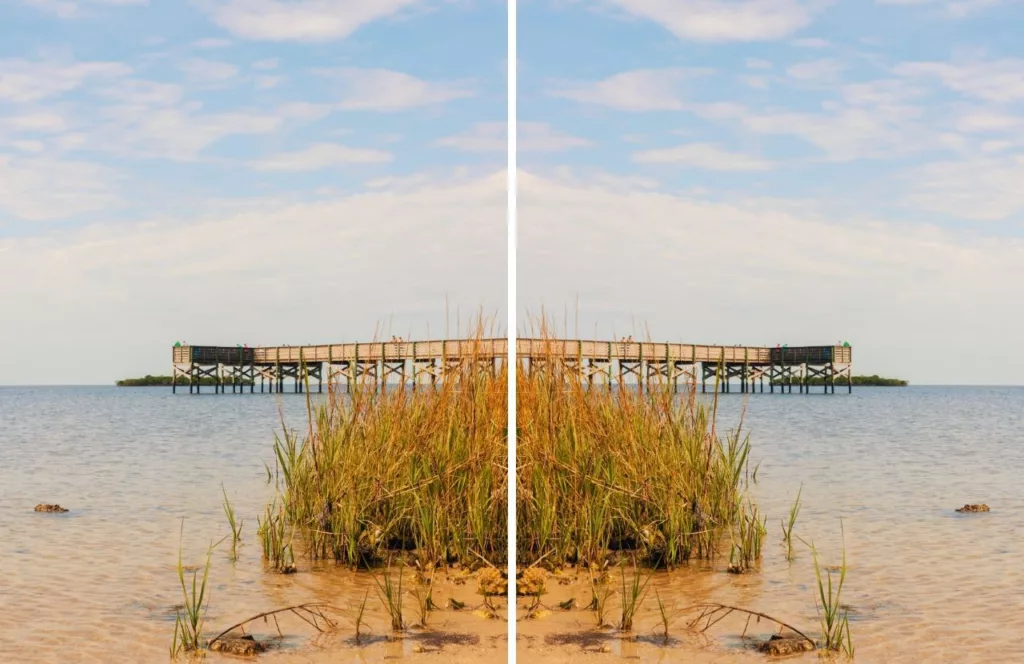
(616, 468)
(834, 616)
(381, 471)
(390, 594)
(234, 523)
(787, 526)
(632, 597)
(188, 623)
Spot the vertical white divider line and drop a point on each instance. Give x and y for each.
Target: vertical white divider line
(512, 362)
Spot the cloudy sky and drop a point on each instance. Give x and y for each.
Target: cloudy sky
(780, 171)
(243, 171)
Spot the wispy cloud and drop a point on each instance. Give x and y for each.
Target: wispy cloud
(999, 80)
(724, 20)
(321, 156)
(74, 8)
(704, 156)
(25, 80)
(387, 90)
(300, 20)
(637, 90)
(531, 137)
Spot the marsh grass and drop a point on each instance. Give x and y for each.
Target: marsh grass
(748, 536)
(276, 541)
(613, 468)
(787, 526)
(833, 615)
(188, 623)
(391, 596)
(234, 523)
(632, 597)
(600, 594)
(407, 468)
(424, 599)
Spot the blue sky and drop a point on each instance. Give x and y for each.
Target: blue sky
(716, 171)
(780, 171)
(225, 171)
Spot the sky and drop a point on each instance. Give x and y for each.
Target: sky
(702, 171)
(244, 171)
(779, 171)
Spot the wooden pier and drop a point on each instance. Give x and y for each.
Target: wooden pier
(645, 364)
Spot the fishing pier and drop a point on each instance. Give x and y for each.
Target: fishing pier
(642, 363)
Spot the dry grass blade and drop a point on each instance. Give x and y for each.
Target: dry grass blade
(311, 613)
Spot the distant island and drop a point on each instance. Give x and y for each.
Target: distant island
(864, 381)
(167, 381)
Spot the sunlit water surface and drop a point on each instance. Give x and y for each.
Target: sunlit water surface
(99, 583)
(925, 584)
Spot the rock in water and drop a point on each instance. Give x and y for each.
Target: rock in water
(43, 507)
(785, 645)
(973, 508)
(242, 645)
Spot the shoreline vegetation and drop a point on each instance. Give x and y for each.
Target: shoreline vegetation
(409, 484)
(873, 380)
(406, 484)
(167, 381)
(645, 481)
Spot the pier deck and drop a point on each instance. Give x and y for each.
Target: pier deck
(641, 362)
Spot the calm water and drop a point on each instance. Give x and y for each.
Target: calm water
(98, 584)
(924, 583)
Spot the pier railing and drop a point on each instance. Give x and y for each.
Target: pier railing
(640, 362)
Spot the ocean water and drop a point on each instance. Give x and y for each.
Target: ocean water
(925, 584)
(883, 470)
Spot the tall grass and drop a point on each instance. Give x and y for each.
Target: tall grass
(378, 471)
(615, 468)
(632, 597)
(234, 522)
(787, 526)
(834, 616)
(188, 623)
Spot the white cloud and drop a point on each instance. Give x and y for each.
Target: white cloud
(321, 156)
(43, 189)
(982, 189)
(212, 43)
(955, 8)
(884, 287)
(25, 81)
(300, 20)
(267, 82)
(991, 80)
(811, 42)
(74, 8)
(263, 252)
(200, 71)
(818, 71)
(875, 119)
(724, 20)
(179, 133)
(387, 90)
(702, 155)
(637, 90)
(267, 64)
(531, 137)
(135, 92)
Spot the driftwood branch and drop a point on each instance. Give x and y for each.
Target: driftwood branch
(713, 613)
(310, 613)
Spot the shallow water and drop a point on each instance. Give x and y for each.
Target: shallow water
(98, 584)
(925, 584)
